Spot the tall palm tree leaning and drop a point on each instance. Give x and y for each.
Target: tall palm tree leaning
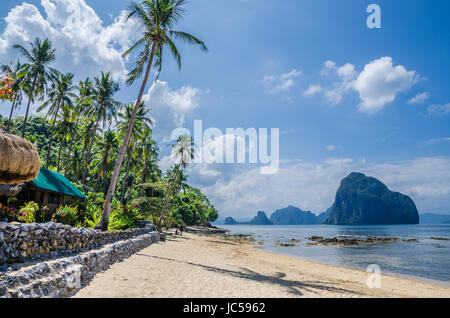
(37, 69)
(183, 153)
(157, 17)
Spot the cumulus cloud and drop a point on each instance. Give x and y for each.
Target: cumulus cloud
(169, 107)
(419, 98)
(278, 83)
(439, 110)
(83, 44)
(378, 84)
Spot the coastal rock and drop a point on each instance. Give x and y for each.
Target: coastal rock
(362, 200)
(230, 221)
(261, 219)
(293, 216)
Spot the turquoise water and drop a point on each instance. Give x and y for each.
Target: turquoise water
(428, 259)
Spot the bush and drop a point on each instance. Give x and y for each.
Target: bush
(27, 213)
(67, 214)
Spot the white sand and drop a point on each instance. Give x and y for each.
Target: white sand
(195, 266)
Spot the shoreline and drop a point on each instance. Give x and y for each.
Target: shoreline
(208, 266)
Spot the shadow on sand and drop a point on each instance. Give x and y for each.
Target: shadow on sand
(293, 287)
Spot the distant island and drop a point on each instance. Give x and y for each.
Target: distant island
(360, 200)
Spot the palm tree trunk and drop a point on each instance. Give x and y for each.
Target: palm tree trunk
(131, 189)
(103, 225)
(59, 152)
(166, 202)
(88, 156)
(24, 128)
(127, 175)
(72, 136)
(51, 137)
(11, 113)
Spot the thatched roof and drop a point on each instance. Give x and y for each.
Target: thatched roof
(19, 159)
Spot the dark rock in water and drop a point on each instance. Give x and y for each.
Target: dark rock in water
(293, 216)
(362, 200)
(230, 221)
(261, 219)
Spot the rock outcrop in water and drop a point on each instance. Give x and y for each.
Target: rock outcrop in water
(362, 200)
(260, 219)
(230, 221)
(293, 216)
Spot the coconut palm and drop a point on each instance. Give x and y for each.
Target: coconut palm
(107, 147)
(60, 96)
(82, 102)
(37, 69)
(103, 109)
(183, 152)
(157, 17)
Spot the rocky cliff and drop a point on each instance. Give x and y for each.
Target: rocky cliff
(362, 200)
(293, 216)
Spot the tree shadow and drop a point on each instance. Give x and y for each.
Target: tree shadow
(293, 287)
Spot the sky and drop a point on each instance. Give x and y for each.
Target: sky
(344, 97)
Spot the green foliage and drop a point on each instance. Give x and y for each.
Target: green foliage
(193, 208)
(67, 214)
(27, 213)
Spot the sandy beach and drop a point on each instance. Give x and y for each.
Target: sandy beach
(197, 266)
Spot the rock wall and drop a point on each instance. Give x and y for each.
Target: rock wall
(29, 242)
(65, 276)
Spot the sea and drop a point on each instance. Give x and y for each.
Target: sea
(426, 260)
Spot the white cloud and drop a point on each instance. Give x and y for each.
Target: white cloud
(419, 98)
(278, 83)
(169, 107)
(312, 90)
(241, 191)
(330, 147)
(83, 45)
(380, 82)
(439, 110)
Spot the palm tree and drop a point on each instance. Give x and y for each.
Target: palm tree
(82, 101)
(59, 97)
(37, 69)
(183, 152)
(18, 74)
(107, 147)
(157, 17)
(104, 109)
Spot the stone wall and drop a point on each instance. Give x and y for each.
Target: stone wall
(65, 276)
(30, 242)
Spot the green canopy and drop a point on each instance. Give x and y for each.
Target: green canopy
(48, 180)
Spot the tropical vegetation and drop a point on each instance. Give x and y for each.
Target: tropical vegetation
(103, 145)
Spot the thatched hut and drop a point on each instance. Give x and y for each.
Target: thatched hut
(19, 160)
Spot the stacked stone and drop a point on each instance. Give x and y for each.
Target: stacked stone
(42, 241)
(64, 277)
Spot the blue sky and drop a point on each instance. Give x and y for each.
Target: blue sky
(344, 97)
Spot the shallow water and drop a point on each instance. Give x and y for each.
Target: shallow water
(428, 259)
